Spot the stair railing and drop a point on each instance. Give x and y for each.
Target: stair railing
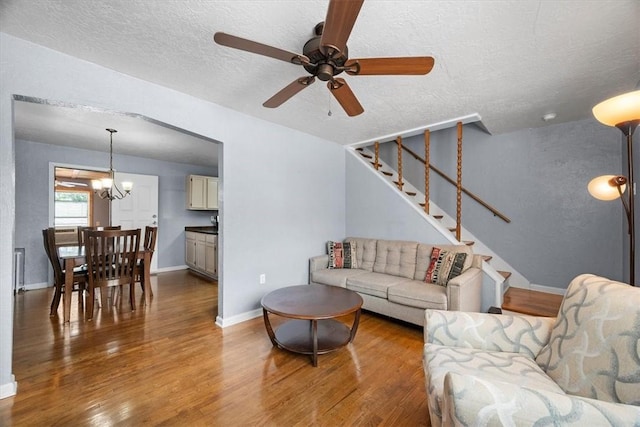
(459, 183)
(416, 156)
(427, 155)
(399, 183)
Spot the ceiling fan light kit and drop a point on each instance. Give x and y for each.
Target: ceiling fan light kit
(326, 55)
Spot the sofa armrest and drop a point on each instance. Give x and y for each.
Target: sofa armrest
(464, 292)
(492, 332)
(471, 400)
(319, 262)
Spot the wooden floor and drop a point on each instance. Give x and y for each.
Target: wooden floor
(169, 364)
(530, 302)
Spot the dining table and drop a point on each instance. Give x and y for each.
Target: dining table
(73, 256)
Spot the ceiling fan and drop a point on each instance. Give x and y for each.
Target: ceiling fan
(326, 55)
(70, 184)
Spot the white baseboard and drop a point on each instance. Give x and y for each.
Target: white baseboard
(238, 318)
(548, 289)
(542, 288)
(166, 269)
(9, 389)
(34, 286)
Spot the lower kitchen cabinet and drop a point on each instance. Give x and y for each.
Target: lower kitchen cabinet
(201, 253)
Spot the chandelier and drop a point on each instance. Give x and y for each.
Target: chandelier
(106, 188)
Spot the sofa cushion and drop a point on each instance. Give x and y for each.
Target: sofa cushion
(375, 284)
(334, 277)
(513, 368)
(415, 293)
(396, 257)
(365, 252)
(342, 255)
(444, 266)
(470, 400)
(423, 257)
(594, 346)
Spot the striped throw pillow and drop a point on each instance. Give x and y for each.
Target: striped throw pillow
(444, 266)
(342, 255)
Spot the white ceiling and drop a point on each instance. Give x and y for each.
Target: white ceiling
(85, 128)
(510, 62)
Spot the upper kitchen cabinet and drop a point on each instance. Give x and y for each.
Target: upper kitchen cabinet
(202, 192)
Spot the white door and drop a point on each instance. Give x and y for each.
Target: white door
(138, 209)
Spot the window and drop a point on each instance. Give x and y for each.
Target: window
(72, 208)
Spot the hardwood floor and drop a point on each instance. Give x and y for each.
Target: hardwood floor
(169, 364)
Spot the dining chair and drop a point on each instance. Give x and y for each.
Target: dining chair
(79, 273)
(82, 229)
(111, 261)
(150, 236)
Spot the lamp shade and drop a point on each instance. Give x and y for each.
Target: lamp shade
(604, 187)
(619, 109)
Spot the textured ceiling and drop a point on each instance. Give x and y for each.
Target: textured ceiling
(509, 62)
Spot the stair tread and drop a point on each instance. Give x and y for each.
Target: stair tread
(531, 302)
(469, 242)
(505, 274)
(486, 257)
(387, 173)
(410, 193)
(438, 216)
(366, 156)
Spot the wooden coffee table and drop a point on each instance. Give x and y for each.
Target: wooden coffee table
(312, 309)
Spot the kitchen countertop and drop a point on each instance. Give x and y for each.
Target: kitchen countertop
(203, 229)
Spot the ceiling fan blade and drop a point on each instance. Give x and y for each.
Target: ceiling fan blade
(259, 48)
(342, 92)
(411, 65)
(341, 16)
(70, 184)
(281, 97)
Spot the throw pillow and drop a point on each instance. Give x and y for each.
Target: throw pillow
(444, 266)
(342, 255)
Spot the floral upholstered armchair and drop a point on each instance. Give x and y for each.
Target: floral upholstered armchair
(581, 368)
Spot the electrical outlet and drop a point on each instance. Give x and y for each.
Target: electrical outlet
(263, 279)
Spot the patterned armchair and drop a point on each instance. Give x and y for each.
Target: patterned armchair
(581, 368)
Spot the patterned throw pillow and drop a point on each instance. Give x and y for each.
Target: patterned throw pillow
(342, 255)
(444, 266)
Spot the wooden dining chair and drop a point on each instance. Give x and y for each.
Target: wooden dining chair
(81, 231)
(111, 261)
(150, 236)
(79, 273)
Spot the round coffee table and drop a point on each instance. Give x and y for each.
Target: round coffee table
(312, 309)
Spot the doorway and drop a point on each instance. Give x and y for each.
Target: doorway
(75, 204)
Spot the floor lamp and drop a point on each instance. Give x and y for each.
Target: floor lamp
(623, 112)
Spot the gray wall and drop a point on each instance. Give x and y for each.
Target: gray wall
(282, 190)
(32, 199)
(538, 178)
(375, 210)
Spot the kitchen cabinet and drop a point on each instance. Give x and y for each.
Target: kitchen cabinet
(201, 253)
(202, 192)
(190, 250)
(211, 255)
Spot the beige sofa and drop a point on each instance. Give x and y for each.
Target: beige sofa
(579, 369)
(390, 279)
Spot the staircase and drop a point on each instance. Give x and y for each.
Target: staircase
(500, 272)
